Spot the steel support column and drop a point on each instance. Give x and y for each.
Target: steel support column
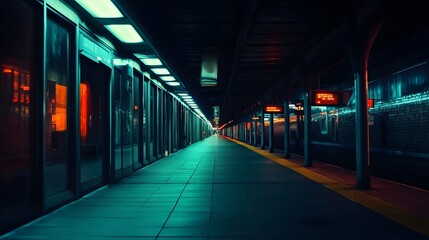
(359, 45)
(255, 133)
(307, 125)
(262, 128)
(286, 125)
(249, 134)
(271, 134)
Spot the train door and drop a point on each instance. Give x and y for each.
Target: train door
(152, 122)
(58, 179)
(93, 96)
(145, 121)
(123, 120)
(136, 122)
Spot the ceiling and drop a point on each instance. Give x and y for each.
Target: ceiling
(257, 43)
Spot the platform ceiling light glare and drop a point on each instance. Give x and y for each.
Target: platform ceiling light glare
(100, 8)
(124, 32)
(168, 78)
(173, 83)
(151, 61)
(160, 71)
(183, 94)
(186, 97)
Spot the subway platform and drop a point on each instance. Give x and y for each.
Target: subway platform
(223, 189)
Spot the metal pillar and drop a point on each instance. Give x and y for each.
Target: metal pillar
(307, 126)
(286, 129)
(362, 130)
(359, 46)
(251, 131)
(271, 134)
(255, 131)
(262, 129)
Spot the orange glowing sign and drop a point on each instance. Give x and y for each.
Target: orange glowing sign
(273, 109)
(330, 97)
(326, 98)
(59, 116)
(84, 102)
(256, 118)
(370, 103)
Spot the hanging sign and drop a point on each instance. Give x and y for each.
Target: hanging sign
(370, 103)
(273, 109)
(255, 118)
(330, 97)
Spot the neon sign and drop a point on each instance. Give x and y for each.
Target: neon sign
(273, 109)
(330, 97)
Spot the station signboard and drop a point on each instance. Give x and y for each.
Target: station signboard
(273, 109)
(331, 97)
(256, 118)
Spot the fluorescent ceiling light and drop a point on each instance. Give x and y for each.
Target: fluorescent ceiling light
(124, 32)
(168, 78)
(186, 97)
(173, 83)
(100, 8)
(151, 61)
(160, 71)
(189, 100)
(183, 94)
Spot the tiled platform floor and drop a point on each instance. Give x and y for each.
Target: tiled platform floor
(214, 189)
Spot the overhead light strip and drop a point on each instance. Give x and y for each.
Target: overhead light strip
(125, 33)
(174, 84)
(160, 71)
(151, 61)
(168, 78)
(101, 8)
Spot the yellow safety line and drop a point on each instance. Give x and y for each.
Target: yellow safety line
(401, 216)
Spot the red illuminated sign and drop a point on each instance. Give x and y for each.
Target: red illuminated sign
(330, 97)
(273, 109)
(370, 103)
(326, 98)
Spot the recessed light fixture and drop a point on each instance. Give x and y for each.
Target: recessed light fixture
(168, 78)
(124, 32)
(160, 71)
(174, 84)
(151, 61)
(101, 8)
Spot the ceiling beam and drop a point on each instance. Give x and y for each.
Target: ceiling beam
(248, 19)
